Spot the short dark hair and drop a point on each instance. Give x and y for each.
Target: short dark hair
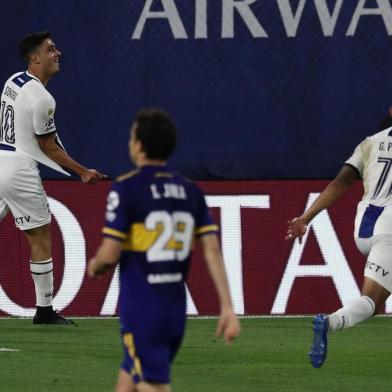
(157, 133)
(31, 42)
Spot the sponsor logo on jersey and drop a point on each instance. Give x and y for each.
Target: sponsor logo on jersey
(51, 112)
(22, 220)
(377, 268)
(10, 92)
(49, 125)
(164, 278)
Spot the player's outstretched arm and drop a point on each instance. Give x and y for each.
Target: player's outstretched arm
(228, 324)
(333, 191)
(50, 148)
(107, 255)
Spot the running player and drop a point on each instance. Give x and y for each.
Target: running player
(28, 135)
(372, 160)
(152, 218)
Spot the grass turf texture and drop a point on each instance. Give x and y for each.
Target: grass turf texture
(271, 355)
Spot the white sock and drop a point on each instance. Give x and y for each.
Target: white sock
(356, 311)
(42, 273)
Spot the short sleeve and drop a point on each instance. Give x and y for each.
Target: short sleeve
(204, 222)
(117, 216)
(357, 158)
(43, 116)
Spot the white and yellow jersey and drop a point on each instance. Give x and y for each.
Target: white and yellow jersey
(373, 160)
(27, 109)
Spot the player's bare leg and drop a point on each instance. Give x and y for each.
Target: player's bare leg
(40, 243)
(148, 387)
(376, 292)
(126, 384)
(41, 267)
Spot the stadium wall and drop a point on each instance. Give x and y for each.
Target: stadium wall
(267, 274)
(277, 89)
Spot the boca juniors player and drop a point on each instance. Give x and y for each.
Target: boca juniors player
(152, 218)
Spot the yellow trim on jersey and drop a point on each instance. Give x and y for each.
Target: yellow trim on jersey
(123, 177)
(130, 345)
(139, 239)
(163, 174)
(206, 229)
(114, 233)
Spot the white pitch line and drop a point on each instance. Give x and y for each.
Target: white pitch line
(7, 349)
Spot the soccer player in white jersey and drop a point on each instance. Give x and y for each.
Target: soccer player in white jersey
(27, 136)
(371, 161)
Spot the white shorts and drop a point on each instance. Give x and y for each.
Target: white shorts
(378, 250)
(21, 191)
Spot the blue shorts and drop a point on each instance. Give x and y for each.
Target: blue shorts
(148, 358)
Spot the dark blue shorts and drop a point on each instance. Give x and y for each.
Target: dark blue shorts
(149, 358)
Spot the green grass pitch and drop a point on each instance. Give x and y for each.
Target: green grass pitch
(270, 355)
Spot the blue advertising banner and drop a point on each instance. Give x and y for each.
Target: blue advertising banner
(259, 89)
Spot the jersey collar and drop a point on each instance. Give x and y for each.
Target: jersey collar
(32, 76)
(154, 167)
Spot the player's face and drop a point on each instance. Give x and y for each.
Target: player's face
(49, 57)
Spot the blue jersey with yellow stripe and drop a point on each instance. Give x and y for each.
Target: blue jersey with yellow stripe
(156, 214)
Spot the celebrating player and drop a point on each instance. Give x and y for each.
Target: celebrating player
(372, 160)
(152, 218)
(28, 135)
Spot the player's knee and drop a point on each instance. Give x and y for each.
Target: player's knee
(124, 382)
(121, 387)
(150, 387)
(39, 236)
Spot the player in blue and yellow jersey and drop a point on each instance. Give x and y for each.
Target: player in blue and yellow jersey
(153, 216)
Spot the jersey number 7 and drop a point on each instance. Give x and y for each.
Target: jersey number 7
(384, 175)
